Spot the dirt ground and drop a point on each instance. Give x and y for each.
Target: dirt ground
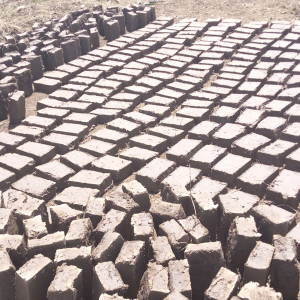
(17, 16)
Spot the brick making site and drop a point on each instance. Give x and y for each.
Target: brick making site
(150, 155)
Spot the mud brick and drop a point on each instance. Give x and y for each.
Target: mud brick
(175, 296)
(249, 87)
(98, 91)
(242, 238)
(71, 69)
(144, 119)
(162, 76)
(204, 130)
(294, 234)
(79, 88)
(253, 288)
(63, 143)
(199, 114)
(7, 289)
(250, 117)
(198, 233)
(178, 122)
(275, 153)
(125, 126)
(162, 251)
(81, 258)
(183, 151)
(225, 282)
(285, 188)
(163, 211)
(283, 66)
(179, 277)
(82, 81)
(130, 263)
(272, 220)
(144, 92)
(56, 113)
(230, 167)
(91, 179)
(81, 63)
(16, 107)
(177, 237)
(32, 133)
(121, 105)
(151, 83)
(61, 76)
(77, 159)
(154, 283)
(79, 233)
(114, 220)
(35, 227)
(48, 103)
(76, 197)
(11, 141)
(269, 90)
(291, 91)
(292, 161)
(66, 283)
(55, 171)
(161, 100)
(46, 85)
(126, 80)
(19, 164)
(105, 115)
(150, 142)
(257, 267)
(233, 204)
(33, 278)
(277, 107)
(256, 178)
(293, 113)
(8, 223)
(233, 100)
(117, 167)
(205, 260)
(138, 193)
(112, 136)
(278, 78)
(271, 126)
(108, 248)
(255, 102)
(206, 157)
(6, 178)
(143, 227)
(169, 93)
(36, 121)
(98, 148)
(285, 267)
(138, 156)
(62, 215)
(224, 114)
(24, 206)
(227, 134)
(154, 172)
(81, 119)
(110, 84)
(249, 144)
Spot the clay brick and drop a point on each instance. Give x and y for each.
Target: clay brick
(79, 233)
(143, 119)
(8, 223)
(294, 234)
(91, 179)
(76, 197)
(125, 126)
(205, 260)
(33, 278)
(45, 123)
(173, 135)
(258, 264)
(142, 227)
(178, 122)
(230, 167)
(255, 102)
(158, 111)
(111, 136)
(204, 130)
(150, 142)
(32, 133)
(46, 85)
(162, 251)
(52, 112)
(272, 220)
(293, 113)
(223, 286)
